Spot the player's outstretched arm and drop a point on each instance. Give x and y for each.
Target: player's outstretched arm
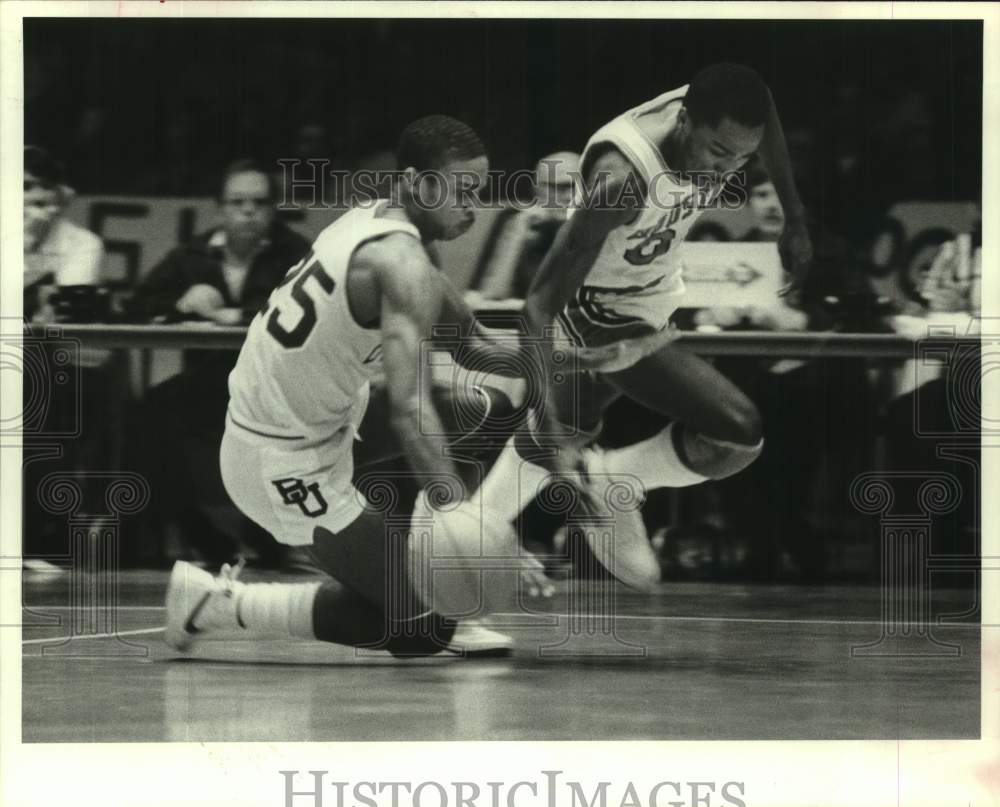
(575, 250)
(795, 244)
(410, 304)
(572, 255)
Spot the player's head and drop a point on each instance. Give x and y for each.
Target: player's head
(722, 121)
(45, 192)
(247, 199)
(443, 163)
(556, 176)
(769, 217)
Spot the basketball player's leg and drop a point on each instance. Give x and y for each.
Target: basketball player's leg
(368, 557)
(367, 599)
(715, 430)
(367, 602)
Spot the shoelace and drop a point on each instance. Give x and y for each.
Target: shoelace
(228, 574)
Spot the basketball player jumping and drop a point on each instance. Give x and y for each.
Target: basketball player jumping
(614, 274)
(358, 305)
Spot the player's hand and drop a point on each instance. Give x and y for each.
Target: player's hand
(226, 316)
(533, 579)
(796, 250)
(200, 299)
(622, 355)
(779, 318)
(948, 283)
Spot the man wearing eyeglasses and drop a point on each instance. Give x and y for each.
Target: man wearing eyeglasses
(224, 276)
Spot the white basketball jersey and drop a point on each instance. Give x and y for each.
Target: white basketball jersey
(636, 279)
(305, 365)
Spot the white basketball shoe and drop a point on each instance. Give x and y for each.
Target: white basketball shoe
(472, 638)
(616, 501)
(197, 603)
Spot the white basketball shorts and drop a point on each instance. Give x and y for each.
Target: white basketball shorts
(290, 487)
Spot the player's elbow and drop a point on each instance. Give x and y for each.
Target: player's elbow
(536, 313)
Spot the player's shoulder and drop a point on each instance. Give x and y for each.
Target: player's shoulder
(607, 158)
(390, 251)
(395, 261)
(607, 164)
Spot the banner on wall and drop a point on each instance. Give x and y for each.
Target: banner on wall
(731, 274)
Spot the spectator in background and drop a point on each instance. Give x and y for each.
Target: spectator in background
(60, 254)
(933, 414)
(223, 276)
(226, 274)
(521, 238)
(768, 216)
(836, 293)
(56, 251)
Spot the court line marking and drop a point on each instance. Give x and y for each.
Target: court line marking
(34, 607)
(758, 620)
(94, 635)
(634, 617)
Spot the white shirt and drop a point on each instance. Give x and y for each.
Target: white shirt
(68, 256)
(234, 271)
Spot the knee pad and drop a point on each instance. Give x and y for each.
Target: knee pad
(715, 458)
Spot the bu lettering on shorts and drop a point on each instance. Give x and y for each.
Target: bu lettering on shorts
(307, 497)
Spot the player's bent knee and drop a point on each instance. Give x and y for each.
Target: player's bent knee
(745, 424)
(720, 458)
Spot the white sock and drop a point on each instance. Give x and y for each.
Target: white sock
(511, 484)
(285, 609)
(654, 461)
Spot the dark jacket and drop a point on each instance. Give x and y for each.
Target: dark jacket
(196, 262)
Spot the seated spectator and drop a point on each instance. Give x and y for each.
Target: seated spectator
(56, 251)
(521, 238)
(933, 414)
(224, 276)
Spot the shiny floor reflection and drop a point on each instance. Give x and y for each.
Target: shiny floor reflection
(691, 661)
